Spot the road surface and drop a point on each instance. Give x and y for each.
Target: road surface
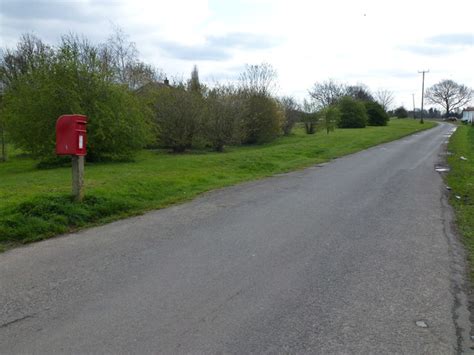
(356, 256)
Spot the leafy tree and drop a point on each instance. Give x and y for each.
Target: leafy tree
(376, 114)
(450, 95)
(69, 79)
(329, 117)
(401, 112)
(353, 114)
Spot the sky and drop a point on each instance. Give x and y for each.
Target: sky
(382, 44)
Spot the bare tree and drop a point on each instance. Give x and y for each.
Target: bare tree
(384, 98)
(259, 79)
(30, 53)
(119, 56)
(327, 93)
(449, 94)
(292, 113)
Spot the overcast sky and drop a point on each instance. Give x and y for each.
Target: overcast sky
(380, 43)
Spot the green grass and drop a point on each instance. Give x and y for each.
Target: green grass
(35, 204)
(461, 181)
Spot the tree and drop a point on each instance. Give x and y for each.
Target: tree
(193, 83)
(310, 117)
(449, 94)
(3, 142)
(177, 113)
(258, 79)
(359, 92)
(376, 114)
(329, 117)
(401, 112)
(263, 117)
(262, 120)
(353, 114)
(327, 93)
(69, 79)
(220, 115)
(292, 113)
(119, 59)
(384, 98)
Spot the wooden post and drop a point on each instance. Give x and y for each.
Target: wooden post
(78, 177)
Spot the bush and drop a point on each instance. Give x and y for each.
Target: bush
(401, 112)
(117, 125)
(329, 117)
(310, 121)
(220, 115)
(292, 113)
(177, 112)
(262, 118)
(376, 114)
(353, 114)
(70, 80)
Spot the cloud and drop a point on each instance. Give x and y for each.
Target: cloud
(428, 50)
(200, 52)
(219, 48)
(440, 45)
(37, 10)
(453, 39)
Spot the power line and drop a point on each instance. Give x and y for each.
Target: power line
(422, 92)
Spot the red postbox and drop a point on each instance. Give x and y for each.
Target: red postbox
(71, 135)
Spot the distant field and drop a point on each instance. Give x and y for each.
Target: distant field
(35, 204)
(461, 181)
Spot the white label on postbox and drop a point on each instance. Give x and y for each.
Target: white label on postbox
(81, 142)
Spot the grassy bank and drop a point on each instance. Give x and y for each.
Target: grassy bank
(35, 204)
(461, 181)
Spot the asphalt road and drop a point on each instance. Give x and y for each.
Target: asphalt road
(341, 258)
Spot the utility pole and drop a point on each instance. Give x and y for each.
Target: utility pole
(414, 116)
(422, 93)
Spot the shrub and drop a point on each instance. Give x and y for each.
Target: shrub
(329, 117)
(70, 80)
(310, 121)
(376, 114)
(401, 112)
(262, 120)
(219, 117)
(292, 113)
(177, 112)
(353, 114)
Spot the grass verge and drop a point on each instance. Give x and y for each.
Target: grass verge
(461, 181)
(35, 204)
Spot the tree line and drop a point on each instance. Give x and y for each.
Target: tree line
(132, 105)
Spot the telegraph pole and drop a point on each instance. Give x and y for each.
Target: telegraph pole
(422, 92)
(414, 116)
